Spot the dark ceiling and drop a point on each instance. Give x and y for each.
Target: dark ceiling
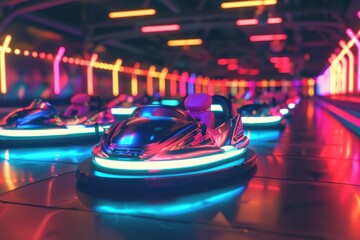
(313, 27)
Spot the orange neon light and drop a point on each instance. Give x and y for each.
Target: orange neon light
(184, 42)
(351, 66)
(198, 84)
(17, 51)
(184, 78)
(162, 85)
(90, 76)
(115, 77)
(264, 38)
(242, 4)
(133, 13)
(4, 49)
(150, 81)
(254, 21)
(134, 80)
(174, 76)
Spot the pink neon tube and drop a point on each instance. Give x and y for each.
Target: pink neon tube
(56, 67)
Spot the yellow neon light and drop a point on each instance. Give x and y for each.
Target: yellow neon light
(115, 77)
(241, 4)
(134, 80)
(342, 80)
(149, 81)
(132, 13)
(351, 66)
(3, 50)
(90, 77)
(162, 84)
(184, 42)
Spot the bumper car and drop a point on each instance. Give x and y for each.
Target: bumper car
(163, 146)
(41, 124)
(261, 116)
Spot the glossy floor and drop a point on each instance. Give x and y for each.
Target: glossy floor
(307, 186)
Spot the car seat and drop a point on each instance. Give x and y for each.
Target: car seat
(79, 105)
(198, 106)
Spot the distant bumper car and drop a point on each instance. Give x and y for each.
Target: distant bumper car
(41, 124)
(162, 146)
(261, 116)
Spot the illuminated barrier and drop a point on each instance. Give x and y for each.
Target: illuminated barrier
(162, 84)
(150, 81)
(4, 49)
(339, 77)
(134, 80)
(351, 34)
(183, 80)
(56, 69)
(115, 77)
(90, 74)
(187, 85)
(173, 84)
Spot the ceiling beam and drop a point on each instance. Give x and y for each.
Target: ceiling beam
(30, 8)
(45, 21)
(171, 5)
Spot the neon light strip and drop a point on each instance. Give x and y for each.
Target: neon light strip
(216, 108)
(351, 67)
(291, 105)
(132, 13)
(284, 111)
(134, 80)
(122, 111)
(261, 38)
(56, 68)
(160, 28)
(173, 89)
(149, 81)
(162, 85)
(351, 34)
(4, 48)
(255, 120)
(198, 84)
(115, 77)
(191, 83)
(343, 78)
(229, 152)
(90, 76)
(183, 80)
(170, 102)
(184, 42)
(253, 21)
(69, 131)
(241, 4)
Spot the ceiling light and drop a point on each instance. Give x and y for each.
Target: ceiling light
(274, 20)
(160, 28)
(261, 38)
(132, 13)
(184, 42)
(241, 4)
(247, 22)
(253, 21)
